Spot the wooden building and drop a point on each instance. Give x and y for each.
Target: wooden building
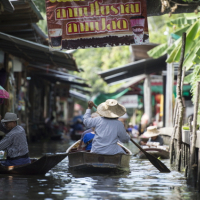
(33, 75)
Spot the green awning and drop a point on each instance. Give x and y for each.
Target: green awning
(102, 97)
(159, 89)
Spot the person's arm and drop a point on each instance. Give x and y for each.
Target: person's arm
(87, 120)
(161, 141)
(5, 142)
(122, 134)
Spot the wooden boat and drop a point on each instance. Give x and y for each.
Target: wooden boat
(157, 152)
(82, 160)
(36, 167)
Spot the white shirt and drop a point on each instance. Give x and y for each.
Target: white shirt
(107, 133)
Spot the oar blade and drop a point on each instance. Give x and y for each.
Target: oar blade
(157, 163)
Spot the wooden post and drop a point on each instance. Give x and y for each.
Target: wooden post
(179, 92)
(198, 176)
(169, 92)
(178, 112)
(172, 146)
(186, 171)
(178, 162)
(147, 97)
(194, 135)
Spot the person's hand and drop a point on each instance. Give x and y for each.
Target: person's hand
(143, 143)
(90, 104)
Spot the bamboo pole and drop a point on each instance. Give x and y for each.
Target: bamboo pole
(179, 92)
(198, 176)
(194, 128)
(172, 146)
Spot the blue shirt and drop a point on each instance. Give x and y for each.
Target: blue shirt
(87, 137)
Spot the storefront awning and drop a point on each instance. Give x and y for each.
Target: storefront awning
(38, 69)
(35, 53)
(145, 66)
(60, 78)
(78, 95)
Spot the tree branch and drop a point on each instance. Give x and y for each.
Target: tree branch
(154, 8)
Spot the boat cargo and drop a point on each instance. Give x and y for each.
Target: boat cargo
(162, 153)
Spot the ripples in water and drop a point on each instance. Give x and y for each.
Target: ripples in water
(142, 182)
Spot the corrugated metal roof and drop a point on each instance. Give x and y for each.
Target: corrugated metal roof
(144, 66)
(60, 78)
(7, 6)
(78, 95)
(35, 53)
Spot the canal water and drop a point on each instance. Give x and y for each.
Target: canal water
(141, 183)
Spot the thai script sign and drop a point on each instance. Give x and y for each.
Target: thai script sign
(76, 24)
(129, 101)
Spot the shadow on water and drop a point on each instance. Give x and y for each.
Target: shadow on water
(142, 182)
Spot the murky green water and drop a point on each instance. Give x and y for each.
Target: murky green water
(143, 181)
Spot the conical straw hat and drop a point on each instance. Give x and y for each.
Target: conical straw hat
(152, 131)
(111, 109)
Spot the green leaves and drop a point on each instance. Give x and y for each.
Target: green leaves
(181, 22)
(188, 78)
(158, 51)
(190, 59)
(193, 33)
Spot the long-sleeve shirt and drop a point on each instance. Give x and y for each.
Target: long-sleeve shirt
(15, 142)
(107, 133)
(158, 139)
(3, 129)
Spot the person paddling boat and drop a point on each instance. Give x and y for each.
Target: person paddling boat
(108, 130)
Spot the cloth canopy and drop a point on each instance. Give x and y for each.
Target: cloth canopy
(102, 97)
(3, 93)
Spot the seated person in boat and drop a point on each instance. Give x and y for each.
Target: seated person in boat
(153, 134)
(82, 144)
(108, 130)
(14, 142)
(87, 139)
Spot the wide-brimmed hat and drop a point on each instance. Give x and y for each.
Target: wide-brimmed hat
(10, 117)
(152, 131)
(111, 109)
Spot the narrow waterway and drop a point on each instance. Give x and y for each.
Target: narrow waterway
(142, 182)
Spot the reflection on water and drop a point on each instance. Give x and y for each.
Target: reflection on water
(142, 182)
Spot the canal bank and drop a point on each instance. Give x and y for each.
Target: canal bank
(143, 182)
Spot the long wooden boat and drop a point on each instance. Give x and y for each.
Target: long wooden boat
(158, 153)
(36, 167)
(82, 160)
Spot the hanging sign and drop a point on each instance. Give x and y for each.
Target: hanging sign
(74, 24)
(128, 101)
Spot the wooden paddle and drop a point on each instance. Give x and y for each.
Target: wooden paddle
(157, 163)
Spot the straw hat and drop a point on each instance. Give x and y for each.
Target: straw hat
(10, 117)
(152, 131)
(111, 109)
